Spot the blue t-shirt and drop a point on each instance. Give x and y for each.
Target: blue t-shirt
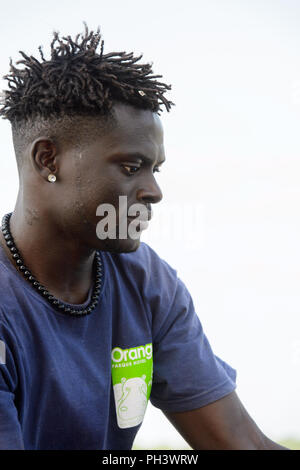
(83, 382)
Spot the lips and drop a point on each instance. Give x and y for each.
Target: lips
(141, 224)
(149, 215)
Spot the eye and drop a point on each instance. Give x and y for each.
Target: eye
(157, 170)
(130, 170)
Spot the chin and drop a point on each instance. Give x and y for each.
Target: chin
(119, 246)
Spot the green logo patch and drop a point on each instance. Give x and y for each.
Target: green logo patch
(132, 379)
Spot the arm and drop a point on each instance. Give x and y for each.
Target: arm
(10, 430)
(218, 419)
(223, 424)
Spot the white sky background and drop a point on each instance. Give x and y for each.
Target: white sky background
(232, 174)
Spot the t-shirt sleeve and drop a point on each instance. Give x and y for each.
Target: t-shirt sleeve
(186, 373)
(10, 429)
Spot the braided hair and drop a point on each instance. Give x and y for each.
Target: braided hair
(79, 79)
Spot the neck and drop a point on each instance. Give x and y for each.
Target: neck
(57, 260)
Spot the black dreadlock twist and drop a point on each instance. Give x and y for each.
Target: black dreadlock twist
(79, 80)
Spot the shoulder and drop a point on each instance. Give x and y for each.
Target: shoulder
(8, 286)
(13, 288)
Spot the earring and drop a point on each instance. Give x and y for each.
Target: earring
(51, 178)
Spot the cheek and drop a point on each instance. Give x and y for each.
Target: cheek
(100, 185)
(94, 193)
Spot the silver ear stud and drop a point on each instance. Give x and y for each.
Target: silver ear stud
(51, 178)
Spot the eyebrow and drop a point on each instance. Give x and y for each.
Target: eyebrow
(139, 156)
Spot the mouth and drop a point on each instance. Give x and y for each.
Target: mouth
(141, 224)
(149, 217)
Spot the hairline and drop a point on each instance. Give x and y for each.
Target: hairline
(73, 128)
(69, 129)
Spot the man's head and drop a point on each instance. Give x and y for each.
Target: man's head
(82, 115)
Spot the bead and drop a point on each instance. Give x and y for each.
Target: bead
(41, 289)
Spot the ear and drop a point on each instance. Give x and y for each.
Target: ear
(44, 156)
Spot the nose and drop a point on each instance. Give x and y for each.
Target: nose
(149, 193)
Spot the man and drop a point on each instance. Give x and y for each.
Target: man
(92, 326)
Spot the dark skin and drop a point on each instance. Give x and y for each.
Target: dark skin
(54, 224)
(221, 425)
(54, 227)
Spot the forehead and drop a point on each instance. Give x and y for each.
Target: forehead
(134, 130)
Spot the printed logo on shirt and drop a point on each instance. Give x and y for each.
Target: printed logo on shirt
(132, 379)
(2, 352)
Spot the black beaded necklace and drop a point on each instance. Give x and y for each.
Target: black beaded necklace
(53, 301)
